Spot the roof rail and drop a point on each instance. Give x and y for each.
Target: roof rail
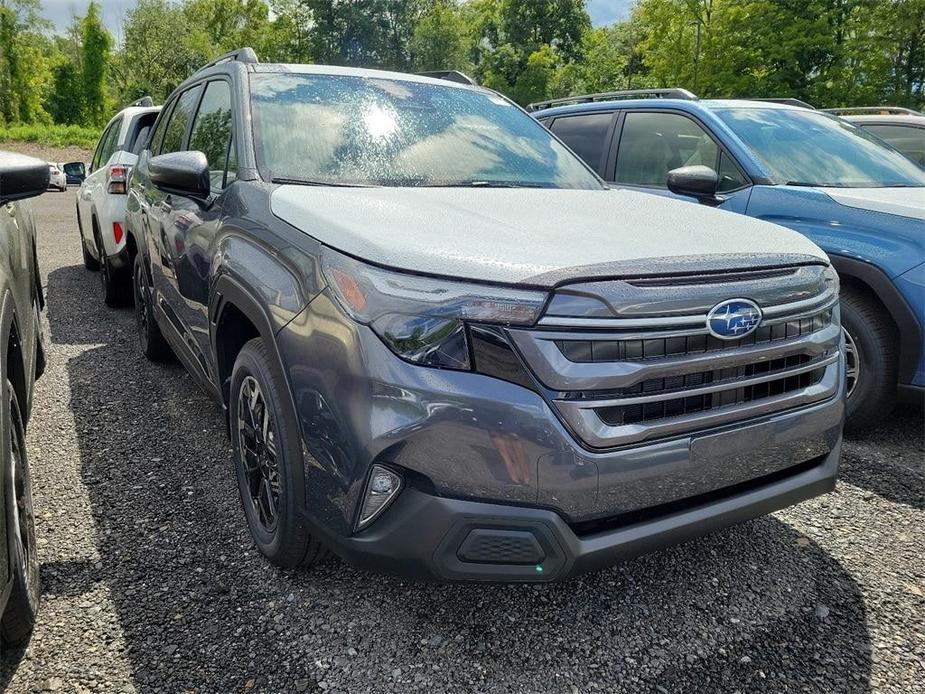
(449, 75)
(787, 100)
(673, 93)
(240, 55)
(882, 110)
(143, 101)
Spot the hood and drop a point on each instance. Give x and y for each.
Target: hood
(903, 202)
(533, 236)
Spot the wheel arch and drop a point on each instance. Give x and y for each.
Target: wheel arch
(236, 316)
(859, 273)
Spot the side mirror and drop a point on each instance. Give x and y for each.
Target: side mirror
(697, 181)
(181, 173)
(75, 169)
(22, 177)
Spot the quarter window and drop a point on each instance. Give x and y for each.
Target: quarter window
(652, 144)
(586, 135)
(211, 133)
(179, 119)
(730, 178)
(108, 144)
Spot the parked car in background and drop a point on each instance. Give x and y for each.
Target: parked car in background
(101, 198)
(75, 172)
(445, 348)
(902, 128)
(22, 360)
(56, 178)
(861, 201)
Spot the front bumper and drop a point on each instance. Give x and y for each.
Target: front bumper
(423, 536)
(479, 452)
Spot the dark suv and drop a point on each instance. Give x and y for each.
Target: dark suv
(446, 349)
(22, 360)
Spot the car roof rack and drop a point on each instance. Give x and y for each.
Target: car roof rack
(450, 76)
(239, 55)
(786, 100)
(145, 101)
(881, 110)
(672, 93)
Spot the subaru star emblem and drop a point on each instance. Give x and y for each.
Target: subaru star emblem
(733, 319)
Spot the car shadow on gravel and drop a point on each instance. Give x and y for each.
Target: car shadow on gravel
(888, 461)
(749, 608)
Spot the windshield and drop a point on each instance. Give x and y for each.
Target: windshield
(349, 130)
(806, 148)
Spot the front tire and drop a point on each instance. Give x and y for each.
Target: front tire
(870, 351)
(268, 460)
(19, 617)
(150, 338)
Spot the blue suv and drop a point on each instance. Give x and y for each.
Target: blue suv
(859, 199)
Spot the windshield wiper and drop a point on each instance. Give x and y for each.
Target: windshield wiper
(310, 182)
(484, 184)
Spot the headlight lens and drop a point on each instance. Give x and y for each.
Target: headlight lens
(421, 319)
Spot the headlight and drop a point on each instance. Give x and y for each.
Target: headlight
(421, 319)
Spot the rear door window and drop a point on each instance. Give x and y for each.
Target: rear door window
(652, 144)
(175, 131)
(586, 135)
(108, 144)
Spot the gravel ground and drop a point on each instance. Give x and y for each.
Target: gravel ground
(152, 584)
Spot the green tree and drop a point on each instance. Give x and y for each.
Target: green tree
(64, 102)
(159, 51)
(95, 56)
(439, 41)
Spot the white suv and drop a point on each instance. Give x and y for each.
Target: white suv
(101, 198)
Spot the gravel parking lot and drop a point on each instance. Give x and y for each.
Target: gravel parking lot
(152, 584)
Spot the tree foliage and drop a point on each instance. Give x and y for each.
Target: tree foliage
(95, 49)
(828, 52)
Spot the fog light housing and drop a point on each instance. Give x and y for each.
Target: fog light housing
(383, 486)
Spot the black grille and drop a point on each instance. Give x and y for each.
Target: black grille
(675, 407)
(584, 351)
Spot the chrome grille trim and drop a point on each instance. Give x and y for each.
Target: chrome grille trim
(582, 415)
(653, 370)
(715, 387)
(829, 297)
(558, 373)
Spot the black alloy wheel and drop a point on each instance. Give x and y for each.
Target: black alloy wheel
(19, 617)
(259, 453)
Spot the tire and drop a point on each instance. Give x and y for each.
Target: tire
(113, 296)
(870, 346)
(150, 338)
(21, 609)
(90, 262)
(269, 470)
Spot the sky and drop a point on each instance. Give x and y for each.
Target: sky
(61, 11)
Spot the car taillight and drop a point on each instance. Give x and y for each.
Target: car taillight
(118, 176)
(117, 232)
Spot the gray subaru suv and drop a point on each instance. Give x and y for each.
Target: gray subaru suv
(446, 349)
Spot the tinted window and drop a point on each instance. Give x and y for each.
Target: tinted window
(652, 144)
(108, 144)
(906, 138)
(141, 131)
(179, 119)
(730, 178)
(211, 131)
(586, 135)
(99, 148)
(396, 132)
(160, 125)
(802, 147)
